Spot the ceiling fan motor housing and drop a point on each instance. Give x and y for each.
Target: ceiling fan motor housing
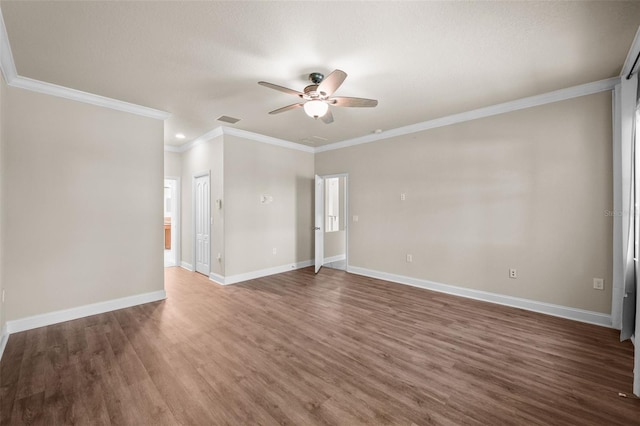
(316, 77)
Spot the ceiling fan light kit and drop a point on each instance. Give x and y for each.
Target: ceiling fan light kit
(316, 109)
(317, 96)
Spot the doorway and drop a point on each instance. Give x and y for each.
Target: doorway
(202, 222)
(331, 221)
(171, 221)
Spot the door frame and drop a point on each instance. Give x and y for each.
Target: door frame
(346, 212)
(194, 243)
(176, 230)
(318, 223)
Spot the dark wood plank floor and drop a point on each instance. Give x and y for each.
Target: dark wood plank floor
(330, 349)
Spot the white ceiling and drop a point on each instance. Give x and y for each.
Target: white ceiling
(421, 60)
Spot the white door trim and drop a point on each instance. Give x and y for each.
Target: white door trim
(346, 212)
(318, 223)
(195, 176)
(176, 225)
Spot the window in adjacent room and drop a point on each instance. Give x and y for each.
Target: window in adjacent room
(332, 205)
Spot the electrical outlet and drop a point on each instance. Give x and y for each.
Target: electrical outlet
(409, 258)
(513, 273)
(598, 283)
(403, 196)
(275, 251)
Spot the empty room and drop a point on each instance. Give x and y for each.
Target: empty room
(319, 213)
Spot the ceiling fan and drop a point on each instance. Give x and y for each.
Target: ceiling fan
(316, 97)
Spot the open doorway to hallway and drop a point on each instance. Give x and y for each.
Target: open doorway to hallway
(171, 221)
(335, 220)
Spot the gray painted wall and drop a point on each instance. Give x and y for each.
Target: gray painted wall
(525, 190)
(83, 197)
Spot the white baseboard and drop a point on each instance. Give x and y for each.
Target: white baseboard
(332, 259)
(576, 314)
(4, 338)
(187, 266)
(216, 278)
(55, 317)
(234, 279)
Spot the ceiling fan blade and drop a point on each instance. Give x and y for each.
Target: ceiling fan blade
(287, 108)
(280, 88)
(331, 82)
(353, 102)
(327, 118)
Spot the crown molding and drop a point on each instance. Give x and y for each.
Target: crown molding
(223, 130)
(631, 55)
(8, 68)
(505, 107)
(211, 134)
(267, 139)
(88, 98)
(6, 57)
(531, 101)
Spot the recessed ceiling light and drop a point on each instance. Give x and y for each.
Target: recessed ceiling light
(180, 136)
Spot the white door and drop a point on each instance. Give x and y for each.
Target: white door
(170, 223)
(319, 228)
(202, 221)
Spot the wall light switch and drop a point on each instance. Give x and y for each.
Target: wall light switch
(403, 196)
(355, 218)
(409, 258)
(598, 283)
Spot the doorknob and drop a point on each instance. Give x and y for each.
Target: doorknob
(317, 228)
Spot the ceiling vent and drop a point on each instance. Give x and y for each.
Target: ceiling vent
(313, 139)
(227, 119)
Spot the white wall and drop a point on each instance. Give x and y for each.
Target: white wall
(3, 94)
(207, 156)
(172, 164)
(245, 231)
(254, 229)
(82, 201)
(526, 190)
(334, 243)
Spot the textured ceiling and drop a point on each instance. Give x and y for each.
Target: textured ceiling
(421, 60)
